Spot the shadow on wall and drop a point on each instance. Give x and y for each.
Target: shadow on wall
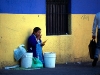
(69, 24)
(28, 34)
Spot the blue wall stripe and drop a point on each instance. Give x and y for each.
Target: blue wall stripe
(23, 6)
(85, 6)
(39, 6)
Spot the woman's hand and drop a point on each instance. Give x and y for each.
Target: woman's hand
(39, 37)
(93, 37)
(43, 43)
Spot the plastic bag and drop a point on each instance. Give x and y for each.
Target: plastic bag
(18, 52)
(36, 63)
(92, 48)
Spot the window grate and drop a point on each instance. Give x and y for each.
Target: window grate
(56, 17)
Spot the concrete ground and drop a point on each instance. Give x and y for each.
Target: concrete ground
(61, 69)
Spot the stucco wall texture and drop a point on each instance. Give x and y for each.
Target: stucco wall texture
(19, 17)
(15, 28)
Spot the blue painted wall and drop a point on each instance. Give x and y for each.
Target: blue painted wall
(39, 6)
(85, 6)
(23, 6)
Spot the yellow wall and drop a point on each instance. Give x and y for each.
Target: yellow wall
(15, 28)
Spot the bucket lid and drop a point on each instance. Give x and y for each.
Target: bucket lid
(49, 53)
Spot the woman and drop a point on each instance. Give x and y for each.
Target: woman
(35, 44)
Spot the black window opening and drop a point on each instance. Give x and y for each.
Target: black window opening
(57, 17)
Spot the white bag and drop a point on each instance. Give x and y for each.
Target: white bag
(18, 52)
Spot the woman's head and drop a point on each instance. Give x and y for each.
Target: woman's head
(37, 31)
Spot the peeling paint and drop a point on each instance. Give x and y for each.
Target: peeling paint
(6, 63)
(10, 29)
(85, 17)
(23, 18)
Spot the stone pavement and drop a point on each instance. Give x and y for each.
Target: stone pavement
(61, 69)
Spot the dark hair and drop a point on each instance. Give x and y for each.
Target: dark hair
(36, 29)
